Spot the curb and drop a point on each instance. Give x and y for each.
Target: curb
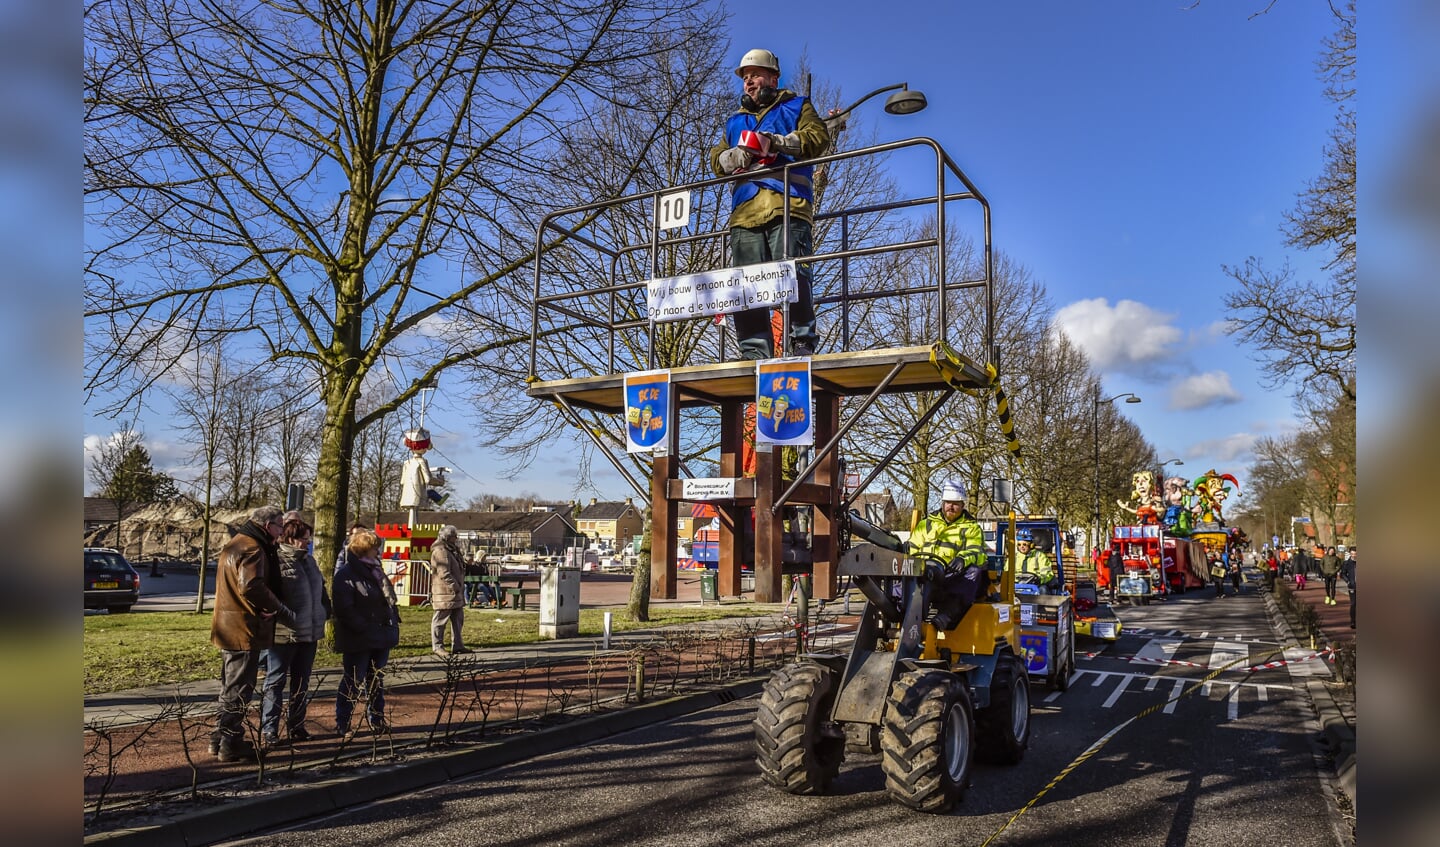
(284, 806)
(1338, 735)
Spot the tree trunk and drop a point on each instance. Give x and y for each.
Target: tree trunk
(205, 538)
(332, 480)
(639, 606)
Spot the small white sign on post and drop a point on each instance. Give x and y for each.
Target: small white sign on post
(708, 488)
(672, 211)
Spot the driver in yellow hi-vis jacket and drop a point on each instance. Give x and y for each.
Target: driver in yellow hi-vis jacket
(1033, 561)
(953, 537)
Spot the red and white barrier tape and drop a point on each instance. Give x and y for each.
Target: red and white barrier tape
(1326, 654)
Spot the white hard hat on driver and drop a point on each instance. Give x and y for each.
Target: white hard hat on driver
(953, 490)
(758, 59)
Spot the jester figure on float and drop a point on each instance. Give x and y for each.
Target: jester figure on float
(1210, 494)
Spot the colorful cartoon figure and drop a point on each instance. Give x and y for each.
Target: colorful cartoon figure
(1210, 493)
(1178, 519)
(1147, 500)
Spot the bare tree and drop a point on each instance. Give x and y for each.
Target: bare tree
(200, 408)
(1305, 329)
(292, 439)
(316, 165)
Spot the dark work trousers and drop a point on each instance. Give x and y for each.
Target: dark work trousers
(956, 592)
(237, 685)
(1352, 607)
(1330, 585)
(764, 244)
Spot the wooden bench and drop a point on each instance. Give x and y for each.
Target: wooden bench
(517, 596)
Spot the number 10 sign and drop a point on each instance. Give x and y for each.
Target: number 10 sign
(672, 211)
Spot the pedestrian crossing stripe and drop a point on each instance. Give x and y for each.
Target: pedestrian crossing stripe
(1180, 693)
(1160, 651)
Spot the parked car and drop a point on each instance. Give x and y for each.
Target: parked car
(110, 582)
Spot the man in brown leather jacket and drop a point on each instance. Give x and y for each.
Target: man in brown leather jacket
(247, 604)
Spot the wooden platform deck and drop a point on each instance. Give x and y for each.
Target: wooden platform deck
(845, 374)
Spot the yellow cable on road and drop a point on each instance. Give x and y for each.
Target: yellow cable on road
(1105, 739)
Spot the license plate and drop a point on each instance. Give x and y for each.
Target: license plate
(107, 585)
(1103, 630)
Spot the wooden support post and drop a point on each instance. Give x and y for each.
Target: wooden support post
(732, 535)
(663, 583)
(769, 534)
(663, 546)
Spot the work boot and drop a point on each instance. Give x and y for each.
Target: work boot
(236, 750)
(942, 622)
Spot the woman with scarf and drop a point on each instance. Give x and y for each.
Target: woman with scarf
(367, 626)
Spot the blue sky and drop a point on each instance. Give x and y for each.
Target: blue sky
(1128, 149)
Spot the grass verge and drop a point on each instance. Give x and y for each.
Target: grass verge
(163, 648)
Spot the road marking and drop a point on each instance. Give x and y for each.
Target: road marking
(1160, 650)
(1151, 683)
(1224, 653)
(1174, 697)
(1119, 689)
(1232, 709)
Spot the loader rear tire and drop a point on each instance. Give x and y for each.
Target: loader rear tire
(928, 740)
(797, 748)
(1003, 728)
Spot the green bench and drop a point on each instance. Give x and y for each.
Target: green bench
(517, 596)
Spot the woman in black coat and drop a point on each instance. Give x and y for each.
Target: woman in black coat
(367, 626)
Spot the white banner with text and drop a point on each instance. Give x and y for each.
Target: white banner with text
(721, 292)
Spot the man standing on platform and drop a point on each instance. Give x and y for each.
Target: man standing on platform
(773, 127)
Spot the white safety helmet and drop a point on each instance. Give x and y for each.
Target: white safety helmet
(953, 490)
(758, 59)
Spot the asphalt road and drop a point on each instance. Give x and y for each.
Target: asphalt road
(1233, 763)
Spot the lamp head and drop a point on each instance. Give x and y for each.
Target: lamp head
(905, 102)
(1132, 399)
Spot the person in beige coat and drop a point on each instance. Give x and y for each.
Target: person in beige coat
(447, 591)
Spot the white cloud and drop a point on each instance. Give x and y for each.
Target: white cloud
(1237, 448)
(1212, 332)
(1129, 336)
(1211, 388)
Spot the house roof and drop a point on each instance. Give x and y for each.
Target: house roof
(483, 521)
(607, 511)
(102, 509)
(884, 499)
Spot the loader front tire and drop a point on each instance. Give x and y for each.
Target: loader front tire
(797, 748)
(928, 740)
(1003, 728)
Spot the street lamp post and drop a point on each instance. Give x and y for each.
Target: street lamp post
(1129, 398)
(1161, 480)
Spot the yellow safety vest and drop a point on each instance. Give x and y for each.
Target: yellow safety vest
(961, 542)
(1038, 563)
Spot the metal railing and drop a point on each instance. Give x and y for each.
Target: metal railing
(590, 238)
